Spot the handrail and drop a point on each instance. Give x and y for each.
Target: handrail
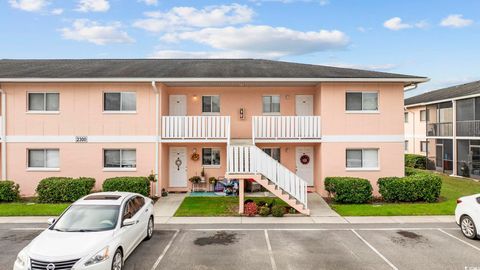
(286, 127)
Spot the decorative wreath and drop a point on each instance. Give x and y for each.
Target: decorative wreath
(195, 156)
(305, 159)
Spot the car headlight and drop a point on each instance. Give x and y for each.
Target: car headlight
(101, 256)
(22, 259)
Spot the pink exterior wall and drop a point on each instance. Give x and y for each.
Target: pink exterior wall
(415, 130)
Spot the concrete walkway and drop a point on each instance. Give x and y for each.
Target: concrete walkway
(166, 207)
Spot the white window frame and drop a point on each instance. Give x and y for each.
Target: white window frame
(121, 98)
(362, 110)
(212, 165)
(279, 105)
(363, 168)
(116, 169)
(425, 113)
(44, 111)
(211, 105)
(426, 146)
(44, 168)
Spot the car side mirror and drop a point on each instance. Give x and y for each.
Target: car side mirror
(51, 221)
(128, 222)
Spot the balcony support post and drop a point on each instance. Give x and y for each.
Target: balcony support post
(454, 138)
(3, 96)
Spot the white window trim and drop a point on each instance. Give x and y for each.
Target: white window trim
(119, 111)
(42, 169)
(113, 169)
(44, 103)
(213, 166)
(363, 111)
(279, 103)
(363, 168)
(211, 104)
(426, 144)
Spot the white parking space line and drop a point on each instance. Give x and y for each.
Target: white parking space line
(318, 229)
(157, 262)
(374, 250)
(463, 241)
(270, 252)
(28, 229)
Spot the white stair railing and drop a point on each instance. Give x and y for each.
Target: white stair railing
(286, 127)
(252, 160)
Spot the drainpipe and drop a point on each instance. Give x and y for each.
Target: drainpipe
(3, 96)
(157, 132)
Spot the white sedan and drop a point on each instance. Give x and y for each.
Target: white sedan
(467, 215)
(99, 231)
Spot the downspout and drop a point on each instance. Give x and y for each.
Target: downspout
(157, 133)
(4, 134)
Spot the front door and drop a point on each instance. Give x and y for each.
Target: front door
(178, 167)
(304, 105)
(439, 156)
(304, 157)
(178, 105)
(475, 160)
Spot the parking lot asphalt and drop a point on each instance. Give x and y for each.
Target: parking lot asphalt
(285, 247)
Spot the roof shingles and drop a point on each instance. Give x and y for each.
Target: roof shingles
(445, 93)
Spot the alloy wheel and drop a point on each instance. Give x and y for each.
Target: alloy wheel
(150, 228)
(468, 227)
(117, 261)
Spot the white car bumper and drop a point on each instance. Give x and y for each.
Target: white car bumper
(80, 266)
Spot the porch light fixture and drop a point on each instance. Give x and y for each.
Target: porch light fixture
(195, 97)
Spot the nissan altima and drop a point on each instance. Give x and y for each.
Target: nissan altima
(99, 231)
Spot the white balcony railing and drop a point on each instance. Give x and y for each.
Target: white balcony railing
(286, 127)
(196, 127)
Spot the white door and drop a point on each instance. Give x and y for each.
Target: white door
(304, 160)
(178, 167)
(304, 105)
(178, 105)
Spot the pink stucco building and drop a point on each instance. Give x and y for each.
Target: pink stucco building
(105, 118)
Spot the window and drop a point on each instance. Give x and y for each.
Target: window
(120, 158)
(210, 156)
(43, 102)
(423, 146)
(120, 101)
(362, 158)
(210, 104)
(405, 117)
(273, 152)
(362, 101)
(406, 146)
(271, 104)
(43, 158)
(423, 115)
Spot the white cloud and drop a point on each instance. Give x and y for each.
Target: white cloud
(93, 5)
(396, 24)
(455, 21)
(91, 31)
(376, 67)
(271, 42)
(321, 2)
(29, 5)
(149, 2)
(190, 17)
(57, 11)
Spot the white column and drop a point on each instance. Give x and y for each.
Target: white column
(454, 138)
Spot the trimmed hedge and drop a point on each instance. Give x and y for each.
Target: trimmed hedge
(64, 189)
(415, 161)
(136, 184)
(9, 191)
(349, 189)
(415, 187)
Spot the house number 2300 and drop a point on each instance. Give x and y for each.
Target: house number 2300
(81, 139)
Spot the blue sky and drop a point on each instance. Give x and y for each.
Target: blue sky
(435, 38)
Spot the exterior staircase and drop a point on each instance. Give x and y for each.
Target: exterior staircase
(248, 161)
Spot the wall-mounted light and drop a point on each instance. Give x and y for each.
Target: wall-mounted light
(242, 113)
(195, 97)
(287, 96)
(194, 150)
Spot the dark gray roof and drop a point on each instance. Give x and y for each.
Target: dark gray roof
(178, 68)
(446, 93)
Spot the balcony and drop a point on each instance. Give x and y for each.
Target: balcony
(286, 128)
(195, 128)
(469, 128)
(440, 129)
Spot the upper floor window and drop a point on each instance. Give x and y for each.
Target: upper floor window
(362, 158)
(43, 158)
(210, 104)
(43, 102)
(405, 117)
(273, 152)
(423, 146)
(120, 158)
(120, 101)
(271, 104)
(362, 101)
(423, 115)
(210, 156)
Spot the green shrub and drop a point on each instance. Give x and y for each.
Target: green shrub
(415, 161)
(9, 191)
(410, 171)
(349, 189)
(63, 189)
(416, 187)
(278, 211)
(134, 184)
(264, 211)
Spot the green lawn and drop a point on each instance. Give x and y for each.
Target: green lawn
(215, 206)
(452, 188)
(29, 209)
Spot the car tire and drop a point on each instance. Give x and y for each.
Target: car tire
(468, 227)
(117, 261)
(150, 226)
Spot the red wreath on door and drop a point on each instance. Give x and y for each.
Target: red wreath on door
(305, 159)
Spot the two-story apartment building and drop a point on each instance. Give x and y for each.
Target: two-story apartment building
(450, 126)
(289, 125)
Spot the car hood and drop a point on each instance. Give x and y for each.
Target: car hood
(57, 246)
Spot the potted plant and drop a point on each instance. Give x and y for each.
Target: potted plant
(212, 180)
(202, 174)
(164, 193)
(195, 179)
(152, 178)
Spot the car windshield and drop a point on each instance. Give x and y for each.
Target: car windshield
(88, 218)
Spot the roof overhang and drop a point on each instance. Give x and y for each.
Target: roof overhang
(441, 100)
